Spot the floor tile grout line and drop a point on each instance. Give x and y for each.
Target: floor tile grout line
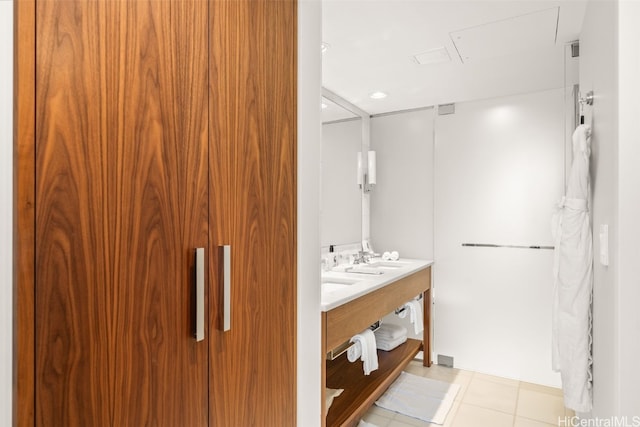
(488, 409)
(509, 382)
(515, 411)
(534, 420)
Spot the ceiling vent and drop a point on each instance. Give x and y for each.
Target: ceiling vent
(433, 56)
(509, 36)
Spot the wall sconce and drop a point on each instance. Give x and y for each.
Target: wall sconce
(367, 179)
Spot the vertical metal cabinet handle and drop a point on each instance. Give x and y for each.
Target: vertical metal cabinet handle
(199, 334)
(226, 279)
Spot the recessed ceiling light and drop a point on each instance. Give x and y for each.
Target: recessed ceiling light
(377, 95)
(323, 105)
(324, 47)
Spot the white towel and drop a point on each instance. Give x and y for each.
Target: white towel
(354, 352)
(390, 331)
(391, 256)
(388, 345)
(366, 341)
(363, 423)
(415, 315)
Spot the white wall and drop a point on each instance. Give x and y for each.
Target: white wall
(309, 150)
(6, 206)
(598, 72)
(629, 207)
(402, 202)
(341, 205)
(499, 172)
(610, 66)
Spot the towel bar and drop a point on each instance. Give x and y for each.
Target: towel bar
(342, 348)
(401, 309)
(491, 245)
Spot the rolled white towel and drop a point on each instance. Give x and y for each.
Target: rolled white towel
(391, 256)
(369, 355)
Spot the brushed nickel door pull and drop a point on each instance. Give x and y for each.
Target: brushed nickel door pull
(226, 279)
(199, 332)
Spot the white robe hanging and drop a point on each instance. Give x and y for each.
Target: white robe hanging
(573, 280)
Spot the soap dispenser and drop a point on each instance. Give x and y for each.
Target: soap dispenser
(332, 256)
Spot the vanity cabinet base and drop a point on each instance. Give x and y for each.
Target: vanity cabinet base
(342, 322)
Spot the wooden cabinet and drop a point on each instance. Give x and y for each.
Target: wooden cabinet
(341, 323)
(145, 129)
(252, 204)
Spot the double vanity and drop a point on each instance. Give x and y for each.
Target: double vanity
(353, 299)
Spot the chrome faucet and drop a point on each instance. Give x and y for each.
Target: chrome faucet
(362, 258)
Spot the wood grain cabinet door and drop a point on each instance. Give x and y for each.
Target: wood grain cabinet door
(253, 209)
(121, 201)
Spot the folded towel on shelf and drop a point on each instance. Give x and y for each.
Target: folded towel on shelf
(415, 315)
(388, 345)
(366, 342)
(390, 331)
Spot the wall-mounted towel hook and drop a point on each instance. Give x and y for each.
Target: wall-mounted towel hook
(588, 100)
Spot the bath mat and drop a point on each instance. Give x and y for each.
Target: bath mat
(418, 397)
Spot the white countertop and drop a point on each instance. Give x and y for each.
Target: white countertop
(366, 283)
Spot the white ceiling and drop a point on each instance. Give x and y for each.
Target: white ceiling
(501, 48)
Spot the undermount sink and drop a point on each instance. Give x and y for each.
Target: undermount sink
(333, 284)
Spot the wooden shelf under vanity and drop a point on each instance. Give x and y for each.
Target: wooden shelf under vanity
(360, 391)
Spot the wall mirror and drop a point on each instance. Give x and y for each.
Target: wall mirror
(341, 205)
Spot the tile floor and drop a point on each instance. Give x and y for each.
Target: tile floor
(484, 401)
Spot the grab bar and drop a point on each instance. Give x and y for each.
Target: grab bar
(491, 245)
